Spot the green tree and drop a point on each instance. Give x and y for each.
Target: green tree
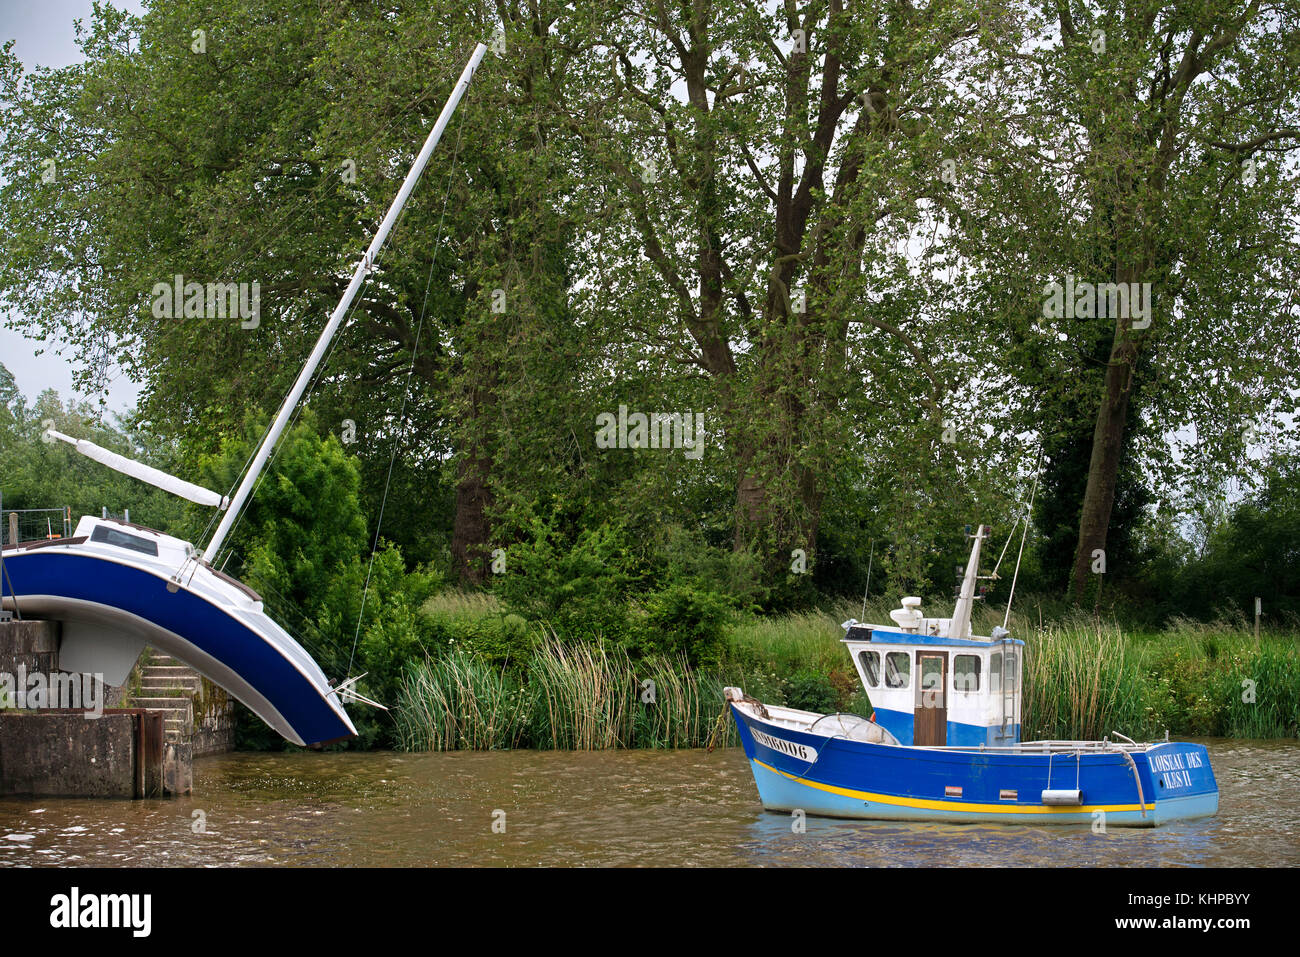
(1152, 148)
(302, 544)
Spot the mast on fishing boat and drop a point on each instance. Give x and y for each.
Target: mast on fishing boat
(959, 626)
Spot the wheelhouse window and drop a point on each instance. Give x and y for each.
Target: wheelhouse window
(966, 673)
(111, 536)
(995, 672)
(898, 669)
(870, 667)
(931, 673)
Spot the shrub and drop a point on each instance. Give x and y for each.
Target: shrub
(684, 621)
(580, 590)
(811, 691)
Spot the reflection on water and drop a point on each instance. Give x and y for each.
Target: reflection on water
(659, 808)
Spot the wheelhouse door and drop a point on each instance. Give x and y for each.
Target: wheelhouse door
(930, 720)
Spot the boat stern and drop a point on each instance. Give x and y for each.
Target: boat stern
(1180, 780)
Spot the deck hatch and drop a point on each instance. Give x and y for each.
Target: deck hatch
(136, 543)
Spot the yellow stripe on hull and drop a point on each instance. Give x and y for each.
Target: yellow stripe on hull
(955, 805)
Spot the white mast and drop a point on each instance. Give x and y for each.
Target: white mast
(959, 627)
(358, 277)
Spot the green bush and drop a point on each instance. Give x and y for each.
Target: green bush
(682, 620)
(579, 589)
(502, 638)
(686, 558)
(811, 691)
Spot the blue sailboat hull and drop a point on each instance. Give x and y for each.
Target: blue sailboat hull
(841, 777)
(243, 652)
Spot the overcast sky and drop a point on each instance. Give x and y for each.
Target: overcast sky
(43, 35)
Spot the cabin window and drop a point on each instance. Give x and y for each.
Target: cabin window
(111, 536)
(898, 669)
(995, 672)
(966, 673)
(870, 667)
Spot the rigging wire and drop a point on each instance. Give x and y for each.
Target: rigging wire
(262, 243)
(344, 325)
(1038, 470)
(406, 393)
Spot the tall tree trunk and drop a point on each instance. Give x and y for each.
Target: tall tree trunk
(1103, 467)
(470, 528)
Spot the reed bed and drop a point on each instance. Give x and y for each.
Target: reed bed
(581, 697)
(1083, 679)
(460, 702)
(1082, 682)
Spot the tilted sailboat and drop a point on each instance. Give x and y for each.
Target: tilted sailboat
(116, 587)
(944, 741)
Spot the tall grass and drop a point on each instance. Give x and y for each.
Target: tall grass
(454, 602)
(1262, 694)
(1083, 679)
(573, 697)
(459, 701)
(809, 639)
(583, 699)
(1081, 682)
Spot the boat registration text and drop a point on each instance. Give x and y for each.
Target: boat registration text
(800, 751)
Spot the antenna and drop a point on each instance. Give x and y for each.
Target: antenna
(868, 588)
(1028, 510)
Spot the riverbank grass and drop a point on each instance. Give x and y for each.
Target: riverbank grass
(496, 681)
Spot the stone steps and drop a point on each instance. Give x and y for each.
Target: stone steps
(166, 685)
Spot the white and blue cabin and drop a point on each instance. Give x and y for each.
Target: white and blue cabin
(931, 682)
(930, 688)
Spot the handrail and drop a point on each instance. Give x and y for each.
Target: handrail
(1142, 801)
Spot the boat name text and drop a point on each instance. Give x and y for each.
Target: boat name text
(800, 751)
(1174, 770)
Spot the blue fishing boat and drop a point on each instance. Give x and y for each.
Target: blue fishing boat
(114, 587)
(944, 742)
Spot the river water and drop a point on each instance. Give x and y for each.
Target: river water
(607, 808)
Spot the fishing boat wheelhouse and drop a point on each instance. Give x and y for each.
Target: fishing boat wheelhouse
(929, 689)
